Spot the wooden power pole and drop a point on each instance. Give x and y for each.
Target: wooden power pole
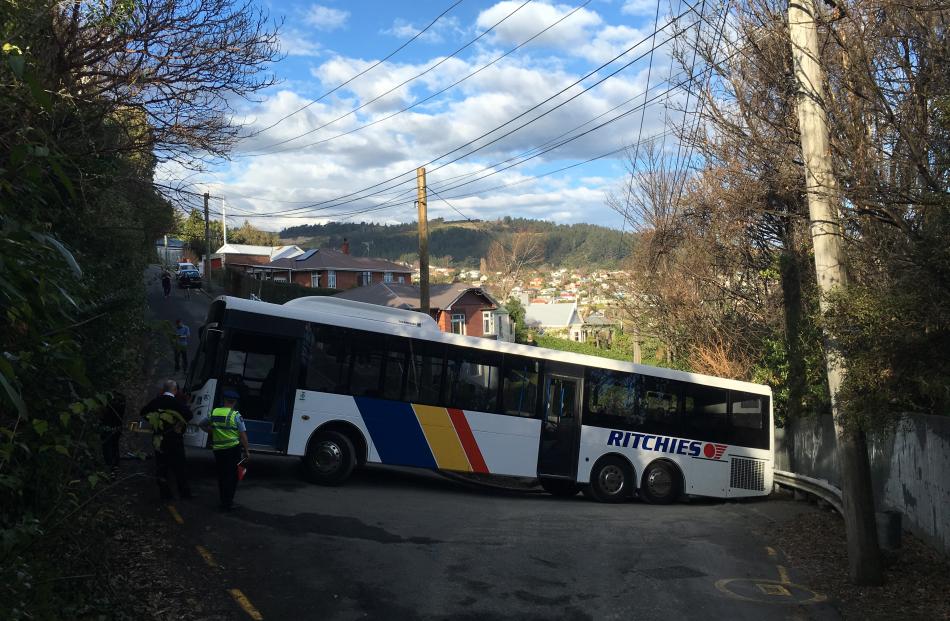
(207, 257)
(423, 241)
(830, 266)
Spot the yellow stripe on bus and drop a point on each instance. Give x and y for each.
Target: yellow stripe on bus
(442, 437)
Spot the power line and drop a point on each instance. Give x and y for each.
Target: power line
(358, 75)
(352, 196)
(398, 86)
(421, 101)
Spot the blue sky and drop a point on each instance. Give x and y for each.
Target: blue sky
(276, 173)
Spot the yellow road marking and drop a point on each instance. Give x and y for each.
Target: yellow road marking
(246, 604)
(783, 575)
(206, 555)
(773, 589)
(175, 514)
(771, 551)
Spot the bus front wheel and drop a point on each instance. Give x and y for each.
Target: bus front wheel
(661, 483)
(611, 480)
(330, 458)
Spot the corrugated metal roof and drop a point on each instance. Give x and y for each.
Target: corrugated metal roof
(551, 315)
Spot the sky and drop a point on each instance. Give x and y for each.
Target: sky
(316, 151)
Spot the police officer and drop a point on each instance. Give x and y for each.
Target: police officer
(168, 416)
(229, 441)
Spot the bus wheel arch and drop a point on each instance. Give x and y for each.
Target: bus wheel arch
(662, 482)
(612, 479)
(331, 455)
(352, 432)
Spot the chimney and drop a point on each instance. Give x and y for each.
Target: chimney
(346, 246)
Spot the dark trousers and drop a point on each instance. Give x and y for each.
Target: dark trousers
(226, 461)
(110, 447)
(181, 353)
(171, 459)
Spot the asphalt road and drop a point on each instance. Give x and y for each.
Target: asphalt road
(403, 544)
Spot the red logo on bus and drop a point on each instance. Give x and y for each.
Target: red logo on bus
(714, 451)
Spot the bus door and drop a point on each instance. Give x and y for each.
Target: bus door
(560, 420)
(260, 368)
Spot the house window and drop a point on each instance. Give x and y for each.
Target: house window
(314, 279)
(488, 322)
(458, 323)
(387, 277)
(402, 279)
(331, 279)
(365, 278)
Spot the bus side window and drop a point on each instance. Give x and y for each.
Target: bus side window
(705, 413)
(472, 378)
(520, 387)
(748, 418)
(327, 364)
(611, 399)
(366, 362)
(424, 376)
(659, 406)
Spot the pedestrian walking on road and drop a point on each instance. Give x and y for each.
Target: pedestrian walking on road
(166, 283)
(182, 335)
(168, 415)
(229, 442)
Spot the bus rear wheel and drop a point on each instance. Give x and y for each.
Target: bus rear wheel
(559, 487)
(611, 480)
(661, 484)
(330, 458)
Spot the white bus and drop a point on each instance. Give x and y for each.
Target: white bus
(343, 383)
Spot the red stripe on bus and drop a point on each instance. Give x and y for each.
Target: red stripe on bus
(468, 440)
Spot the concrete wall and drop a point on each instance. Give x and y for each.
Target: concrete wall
(910, 468)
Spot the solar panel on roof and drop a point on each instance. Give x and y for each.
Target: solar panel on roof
(307, 255)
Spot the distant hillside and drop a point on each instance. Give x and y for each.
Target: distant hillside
(568, 245)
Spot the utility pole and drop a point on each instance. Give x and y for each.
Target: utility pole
(224, 229)
(207, 257)
(864, 557)
(423, 241)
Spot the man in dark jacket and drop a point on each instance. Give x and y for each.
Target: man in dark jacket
(168, 416)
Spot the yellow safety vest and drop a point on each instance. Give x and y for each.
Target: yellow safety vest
(224, 429)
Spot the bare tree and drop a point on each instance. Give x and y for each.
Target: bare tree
(167, 72)
(509, 262)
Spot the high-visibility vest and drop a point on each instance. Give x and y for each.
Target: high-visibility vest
(224, 429)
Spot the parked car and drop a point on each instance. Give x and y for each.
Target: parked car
(185, 266)
(189, 278)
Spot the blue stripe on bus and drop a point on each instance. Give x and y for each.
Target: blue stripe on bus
(396, 432)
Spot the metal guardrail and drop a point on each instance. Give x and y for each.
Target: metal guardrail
(816, 487)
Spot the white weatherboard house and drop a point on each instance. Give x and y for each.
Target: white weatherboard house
(555, 319)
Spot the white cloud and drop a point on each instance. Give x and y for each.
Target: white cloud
(295, 43)
(639, 7)
(325, 18)
(437, 33)
(529, 20)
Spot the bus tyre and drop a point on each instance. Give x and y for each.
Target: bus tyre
(611, 480)
(330, 458)
(661, 484)
(560, 487)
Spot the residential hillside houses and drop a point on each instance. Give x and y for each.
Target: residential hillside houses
(458, 308)
(556, 320)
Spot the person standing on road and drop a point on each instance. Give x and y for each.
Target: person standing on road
(182, 334)
(229, 442)
(166, 283)
(168, 416)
